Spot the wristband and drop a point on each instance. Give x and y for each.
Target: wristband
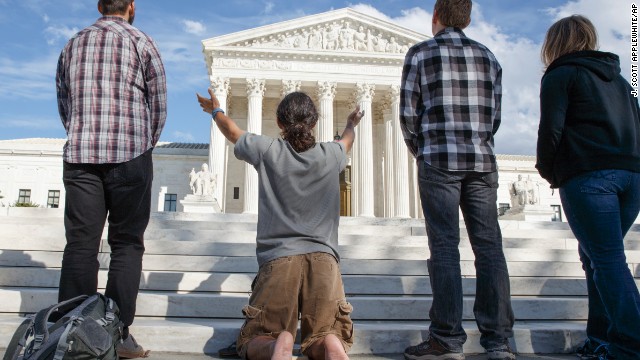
(215, 112)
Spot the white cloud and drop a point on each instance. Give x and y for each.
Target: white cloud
(59, 33)
(183, 136)
(32, 123)
(613, 23)
(268, 7)
(45, 18)
(34, 79)
(194, 27)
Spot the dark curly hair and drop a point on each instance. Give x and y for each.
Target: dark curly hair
(298, 115)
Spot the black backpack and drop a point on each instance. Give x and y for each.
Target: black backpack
(82, 328)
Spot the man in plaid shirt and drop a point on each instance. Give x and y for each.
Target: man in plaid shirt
(450, 110)
(112, 101)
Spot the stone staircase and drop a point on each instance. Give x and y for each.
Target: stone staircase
(198, 270)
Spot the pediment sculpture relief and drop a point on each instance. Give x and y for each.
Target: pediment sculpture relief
(334, 36)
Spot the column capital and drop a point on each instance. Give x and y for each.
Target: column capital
(220, 85)
(364, 92)
(289, 86)
(394, 93)
(255, 87)
(326, 90)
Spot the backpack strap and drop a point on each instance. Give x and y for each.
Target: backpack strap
(63, 346)
(109, 313)
(18, 340)
(41, 331)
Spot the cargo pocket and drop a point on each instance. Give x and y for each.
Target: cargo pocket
(343, 324)
(253, 321)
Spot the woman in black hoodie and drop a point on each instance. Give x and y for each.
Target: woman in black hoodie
(589, 147)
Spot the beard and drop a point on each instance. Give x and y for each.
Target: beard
(132, 16)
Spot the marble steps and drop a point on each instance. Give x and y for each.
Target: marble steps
(384, 285)
(164, 304)
(185, 335)
(246, 264)
(31, 235)
(198, 270)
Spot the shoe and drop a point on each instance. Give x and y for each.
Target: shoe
(592, 350)
(129, 349)
(501, 352)
(230, 352)
(431, 349)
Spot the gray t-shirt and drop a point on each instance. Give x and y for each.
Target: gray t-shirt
(299, 195)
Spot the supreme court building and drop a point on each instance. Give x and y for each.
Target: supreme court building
(341, 58)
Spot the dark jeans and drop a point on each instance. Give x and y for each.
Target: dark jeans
(601, 206)
(123, 191)
(443, 193)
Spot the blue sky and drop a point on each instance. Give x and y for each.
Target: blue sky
(32, 33)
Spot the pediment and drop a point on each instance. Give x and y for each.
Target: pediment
(338, 31)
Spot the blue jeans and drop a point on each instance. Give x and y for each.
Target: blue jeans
(601, 206)
(442, 192)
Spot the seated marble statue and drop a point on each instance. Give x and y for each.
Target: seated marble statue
(203, 182)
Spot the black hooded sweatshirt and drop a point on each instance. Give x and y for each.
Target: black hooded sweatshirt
(588, 118)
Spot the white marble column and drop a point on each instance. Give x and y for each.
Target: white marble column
(363, 162)
(289, 86)
(326, 94)
(416, 206)
(389, 161)
(351, 104)
(163, 192)
(401, 183)
(218, 143)
(255, 94)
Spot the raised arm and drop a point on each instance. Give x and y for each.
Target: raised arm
(227, 126)
(349, 134)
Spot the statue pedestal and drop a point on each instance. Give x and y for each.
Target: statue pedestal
(529, 213)
(202, 204)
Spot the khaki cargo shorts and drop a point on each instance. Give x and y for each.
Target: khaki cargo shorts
(309, 286)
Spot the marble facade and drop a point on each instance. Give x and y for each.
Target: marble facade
(36, 165)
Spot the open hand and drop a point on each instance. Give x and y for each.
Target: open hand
(355, 116)
(208, 105)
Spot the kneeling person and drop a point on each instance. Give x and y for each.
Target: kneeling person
(297, 236)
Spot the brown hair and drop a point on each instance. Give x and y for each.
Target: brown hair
(298, 115)
(567, 35)
(455, 13)
(114, 7)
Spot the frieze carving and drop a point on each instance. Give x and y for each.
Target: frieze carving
(333, 36)
(256, 64)
(251, 64)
